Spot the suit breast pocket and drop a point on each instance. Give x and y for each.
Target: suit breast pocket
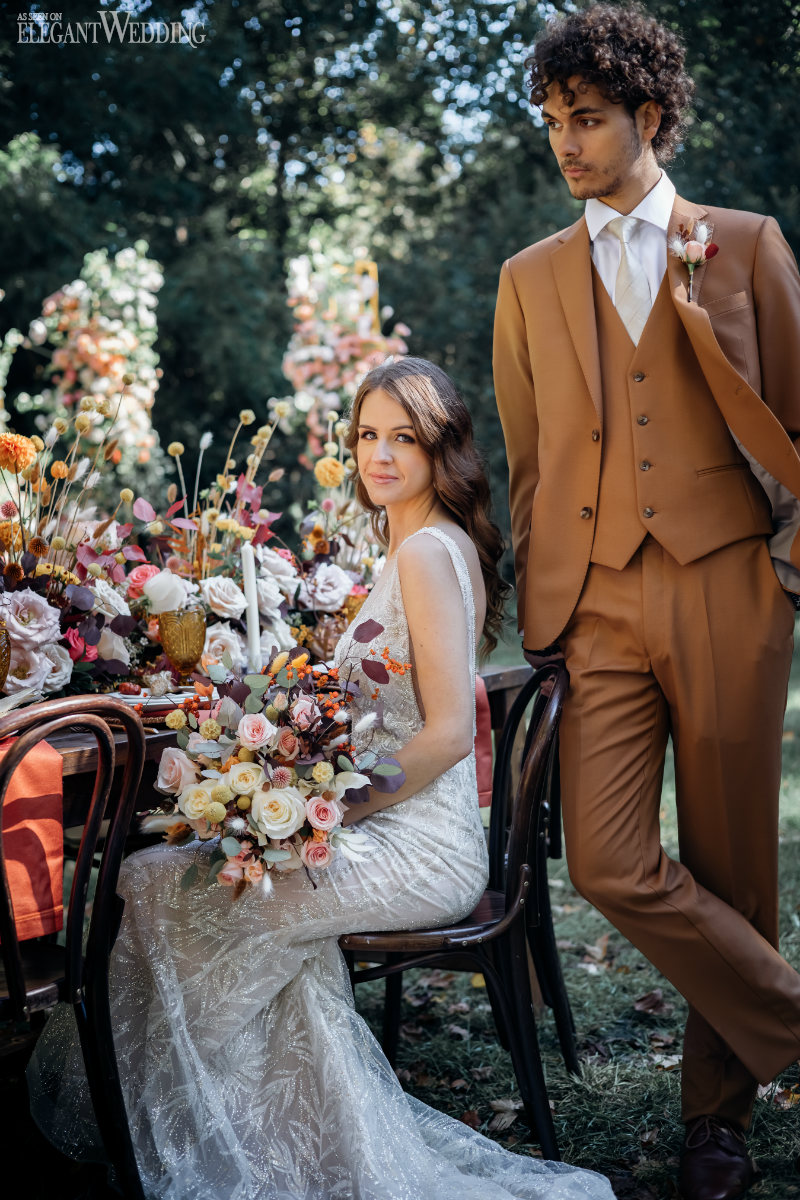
(734, 328)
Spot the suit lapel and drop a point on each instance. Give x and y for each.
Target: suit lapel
(572, 268)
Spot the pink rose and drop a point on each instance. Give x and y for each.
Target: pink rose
(255, 731)
(175, 771)
(304, 712)
(316, 854)
(694, 252)
(231, 873)
(287, 744)
(139, 576)
(77, 648)
(254, 871)
(323, 814)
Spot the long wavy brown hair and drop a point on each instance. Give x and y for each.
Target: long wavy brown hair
(443, 428)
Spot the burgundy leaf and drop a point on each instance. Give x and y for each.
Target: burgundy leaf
(711, 249)
(134, 554)
(123, 625)
(375, 671)
(143, 509)
(184, 523)
(366, 631)
(80, 597)
(124, 531)
(263, 534)
(356, 795)
(173, 508)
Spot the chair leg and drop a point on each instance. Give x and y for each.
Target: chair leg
(498, 1011)
(524, 1040)
(548, 967)
(391, 1016)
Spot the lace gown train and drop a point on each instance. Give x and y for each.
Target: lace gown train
(248, 1074)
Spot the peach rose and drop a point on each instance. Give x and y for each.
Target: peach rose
(231, 873)
(316, 854)
(323, 814)
(694, 252)
(287, 744)
(304, 712)
(139, 576)
(175, 771)
(254, 871)
(255, 731)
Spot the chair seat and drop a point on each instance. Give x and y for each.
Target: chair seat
(43, 971)
(489, 910)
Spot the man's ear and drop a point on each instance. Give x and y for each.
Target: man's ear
(648, 119)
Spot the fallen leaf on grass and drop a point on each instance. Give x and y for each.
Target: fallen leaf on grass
(471, 1118)
(482, 1073)
(592, 967)
(653, 1003)
(506, 1113)
(477, 981)
(649, 1137)
(411, 1031)
(599, 950)
(459, 1031)
(457, 1084)
(403, 1074)
(436, 979)
(780, 1097)
(665, 1062)
(565, 944)
(460, 1007)
(661, 1041)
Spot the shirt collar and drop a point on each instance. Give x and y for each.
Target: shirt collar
(655, 208)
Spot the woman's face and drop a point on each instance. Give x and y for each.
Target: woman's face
(391, 462)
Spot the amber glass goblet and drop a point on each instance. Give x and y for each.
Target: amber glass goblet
(5, 654)
(183, 636)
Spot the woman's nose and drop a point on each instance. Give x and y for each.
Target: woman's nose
(382, 450)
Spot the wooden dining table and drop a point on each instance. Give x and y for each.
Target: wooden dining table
(79, 752)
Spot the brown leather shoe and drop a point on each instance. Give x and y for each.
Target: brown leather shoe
(715, 1164)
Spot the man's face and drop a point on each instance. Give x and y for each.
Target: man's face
(598, 144)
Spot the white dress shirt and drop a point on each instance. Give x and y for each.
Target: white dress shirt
(649, 241)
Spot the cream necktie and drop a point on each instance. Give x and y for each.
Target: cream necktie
(632, 298)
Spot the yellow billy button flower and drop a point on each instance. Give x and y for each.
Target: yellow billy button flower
(119, 558)
(126, 496)
(175, 449)
(154, 528)
(215, 813)
(322, 772)
(227, 524)
(37, 442)
(60, 425)
(263, 431)
(83, 423)
(221, 794)
(247, 416)
(350, 464)
(243, 803)
(58, 542)
(245, 754)
(271, 712)
(210, 730)
(176, 719)
(95, 570)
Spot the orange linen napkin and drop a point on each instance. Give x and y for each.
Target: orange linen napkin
(33, 841)
(483, 743)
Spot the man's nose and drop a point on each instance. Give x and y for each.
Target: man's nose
(568, 145)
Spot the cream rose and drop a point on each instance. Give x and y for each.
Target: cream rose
(280, 568)
(326, 589)
(223, 597)
(244, 777)
(108, 601)
(30, 620)
(60, 667)
(111, 645)
(165, 592)
(194, 800)
(270, 596)
(254, 731)
(221, 638)
(176, 771)
(279, 812)
(26, 669)
(278, 636)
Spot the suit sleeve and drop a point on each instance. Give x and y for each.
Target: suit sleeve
(776, 293)
(516, 404)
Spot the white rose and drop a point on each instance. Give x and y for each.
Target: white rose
(244, 777)
(223, 596)
(222, 637)
(165, 592)
(276, 638)
(26, 669)
(30, 620)
(60, 667)
(279, 812)
(270, 596)
(108, 601)
(325, 589)
(194, 800)
(176, 771)
(280, 568)
(111, 645)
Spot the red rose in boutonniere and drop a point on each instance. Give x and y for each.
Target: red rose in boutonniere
(693, 246)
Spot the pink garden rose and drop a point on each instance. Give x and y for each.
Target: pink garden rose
(304, 712)
(694, 252)
(316, 854)
(287, 745)
(77, 649)
(231, 873)
(323, 814)
(255, 731)
(175, 771)
(139, 576)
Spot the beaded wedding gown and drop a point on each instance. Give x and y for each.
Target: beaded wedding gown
(247, 1073)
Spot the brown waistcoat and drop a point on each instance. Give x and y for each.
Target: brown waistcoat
(694, 493)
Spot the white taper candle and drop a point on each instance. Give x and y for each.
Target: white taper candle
(251, 596)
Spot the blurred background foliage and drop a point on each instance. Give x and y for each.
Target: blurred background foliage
(399, 126)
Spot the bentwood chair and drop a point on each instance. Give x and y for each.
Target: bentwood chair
(38, 974)
(494, 939)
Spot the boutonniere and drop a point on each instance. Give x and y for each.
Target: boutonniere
(693, 246)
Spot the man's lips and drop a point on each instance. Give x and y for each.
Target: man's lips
(574, 170)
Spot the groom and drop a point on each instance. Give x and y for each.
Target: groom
(649, 428)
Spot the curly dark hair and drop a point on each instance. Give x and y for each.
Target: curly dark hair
(443, 427)
(625, 53)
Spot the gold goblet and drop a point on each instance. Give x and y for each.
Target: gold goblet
(183, 636)
(5, 654)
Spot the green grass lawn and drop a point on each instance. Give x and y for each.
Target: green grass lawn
(621, 1115)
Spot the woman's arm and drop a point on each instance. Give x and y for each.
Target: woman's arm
(437, 626)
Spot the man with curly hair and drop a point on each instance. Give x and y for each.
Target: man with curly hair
(648, 383)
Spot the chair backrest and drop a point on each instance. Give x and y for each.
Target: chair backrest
(514, 836)
(86, 978)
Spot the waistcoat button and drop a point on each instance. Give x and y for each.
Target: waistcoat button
(585, 513)
(595, 435)
(638, 377)
(645, 466)
(648, 512)
(642, 419)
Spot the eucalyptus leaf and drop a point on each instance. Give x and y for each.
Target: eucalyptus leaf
(189, 877)
(211, 774)
(217, 673)
(258, 683)
(344, 762)
(217, 855)
(226, 660)
(387, 769)
(214, 871)
(275, 855)
(192, 720)
(253, 704)
(182, 738)
(230, 846)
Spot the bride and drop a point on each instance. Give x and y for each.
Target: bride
(247, 1073)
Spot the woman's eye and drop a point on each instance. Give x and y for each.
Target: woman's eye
(366, 435)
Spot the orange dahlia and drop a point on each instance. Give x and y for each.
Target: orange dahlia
(16, 452)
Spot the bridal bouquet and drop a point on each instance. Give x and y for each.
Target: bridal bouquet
(271, 766)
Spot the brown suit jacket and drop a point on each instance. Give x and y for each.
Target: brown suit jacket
(744, 328)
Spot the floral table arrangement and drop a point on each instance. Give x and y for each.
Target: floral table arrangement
(271, 766)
